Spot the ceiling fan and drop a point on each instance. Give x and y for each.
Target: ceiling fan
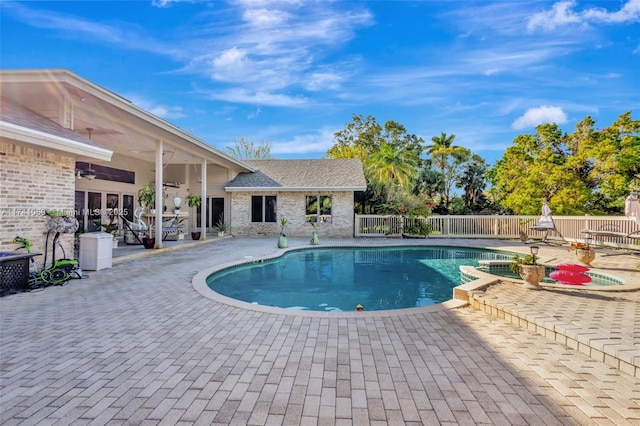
(87, 173)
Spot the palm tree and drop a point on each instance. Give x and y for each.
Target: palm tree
(441, 151)
(390, 169)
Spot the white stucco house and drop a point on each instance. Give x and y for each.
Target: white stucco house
(70, 145)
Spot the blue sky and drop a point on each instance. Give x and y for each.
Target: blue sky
(294, 72)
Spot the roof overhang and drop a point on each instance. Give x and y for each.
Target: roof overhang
(48, 141)
(296, 189)
(115, 122)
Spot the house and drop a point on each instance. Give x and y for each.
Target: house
(70, 145)
(299, 190)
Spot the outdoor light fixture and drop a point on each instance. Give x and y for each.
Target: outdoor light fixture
(534, 252)
(587, 241)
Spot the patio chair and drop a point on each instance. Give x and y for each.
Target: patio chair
(631, 211)
(546, 224)
(171, 228)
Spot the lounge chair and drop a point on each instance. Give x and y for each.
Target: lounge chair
(546, 224)
(171, 228)
(632, 211)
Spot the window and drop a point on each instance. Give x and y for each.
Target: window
(263, 208)
(318, 207)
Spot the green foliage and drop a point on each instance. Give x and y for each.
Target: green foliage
(516, 261)
(147, 195)
(283, 223)
(410, 205)
(392, 169)
(418, 227)
(221, 225)
(390, 156)
(194, 200)
(448, 159)
(587, 171)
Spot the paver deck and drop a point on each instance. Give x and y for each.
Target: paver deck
(136, 344)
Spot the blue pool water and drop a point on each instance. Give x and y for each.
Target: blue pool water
(338, 279)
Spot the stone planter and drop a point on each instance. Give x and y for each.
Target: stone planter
(282, 242)
(585, 256)
(532, 275)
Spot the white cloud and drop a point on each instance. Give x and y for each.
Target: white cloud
(162, 111)
(310, 143)
(244, 96)
(254, 114)
(540, 115)
(562, 13)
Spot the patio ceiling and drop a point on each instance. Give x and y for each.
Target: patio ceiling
(107, 118)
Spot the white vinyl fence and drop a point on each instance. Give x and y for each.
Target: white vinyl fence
(568, 228)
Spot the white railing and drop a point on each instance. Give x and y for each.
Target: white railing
(568, 228)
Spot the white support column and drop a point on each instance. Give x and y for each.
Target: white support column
(203, 205)
(159, 193)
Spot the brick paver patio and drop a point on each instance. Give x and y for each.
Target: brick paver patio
(136, 344)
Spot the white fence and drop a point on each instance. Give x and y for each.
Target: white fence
(568, 228)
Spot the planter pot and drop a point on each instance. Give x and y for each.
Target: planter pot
(523, 236)
(585, 256)
(314, 239)
(220, 233)
(532, 275)
(282, 242)
(195, 235)
(149, 243)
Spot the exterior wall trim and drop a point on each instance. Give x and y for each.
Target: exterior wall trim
(48, 141)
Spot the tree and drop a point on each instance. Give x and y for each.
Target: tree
(245, 149)
(390, 156)
(473, 182)
(447, 158)
(390, 170)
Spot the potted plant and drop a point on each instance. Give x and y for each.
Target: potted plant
(147, 197)
(282, 239)
(314, 235)
(528, 269)
(583, 252)
(221, 226)
(194, 201)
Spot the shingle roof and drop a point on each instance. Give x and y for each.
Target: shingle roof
(11, 112)
(327, 174)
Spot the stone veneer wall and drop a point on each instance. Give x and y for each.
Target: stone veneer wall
(31, 181)
(291, 205)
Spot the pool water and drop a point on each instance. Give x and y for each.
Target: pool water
(338, 279)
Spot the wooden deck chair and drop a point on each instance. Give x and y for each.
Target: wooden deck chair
(546, 224)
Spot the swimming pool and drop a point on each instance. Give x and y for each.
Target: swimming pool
(339, 279)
